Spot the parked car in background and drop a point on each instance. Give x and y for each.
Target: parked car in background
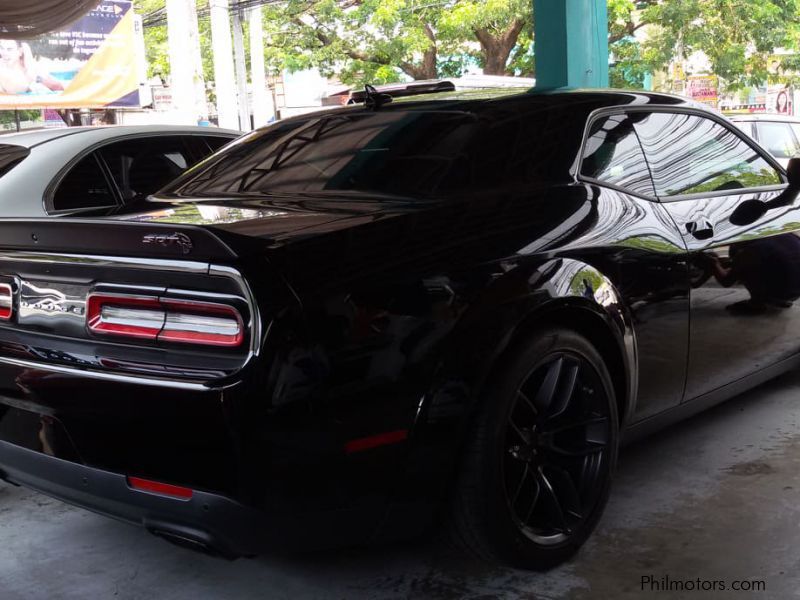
(96, 170)
(780, 134)
(349, 325)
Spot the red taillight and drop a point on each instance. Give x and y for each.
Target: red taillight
(6, 301)
(162, 489)
(132, 316)
(165, 319)
(201, 323)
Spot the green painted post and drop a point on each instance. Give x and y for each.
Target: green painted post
(571, 43)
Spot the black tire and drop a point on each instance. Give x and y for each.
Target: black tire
(549, 446)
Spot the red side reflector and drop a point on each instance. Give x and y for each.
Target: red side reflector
(373, 441)
(6, 301)
(162, 489)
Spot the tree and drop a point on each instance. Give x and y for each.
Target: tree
(8, 117)
(502, 28)
(737, 36)
(379, 40)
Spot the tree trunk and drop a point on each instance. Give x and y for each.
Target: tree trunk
(425, 70)
(497, 48)
(428, 68)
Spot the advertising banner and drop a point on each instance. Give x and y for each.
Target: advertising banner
(780, 99)
(92, 64)
(703, 88)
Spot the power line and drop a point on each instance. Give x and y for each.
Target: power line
(158, 17)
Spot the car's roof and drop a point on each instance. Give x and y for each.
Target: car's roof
(765, 117)
(471, 100)
(33, 138)
(491, 93)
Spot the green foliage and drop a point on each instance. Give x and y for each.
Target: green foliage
(7, 116)
(378, 41)
(738, 36)
(381, 41)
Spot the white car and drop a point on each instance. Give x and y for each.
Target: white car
(96, 171)
(779, 134)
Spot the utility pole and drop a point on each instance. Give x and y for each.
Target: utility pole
(198, 77)
(223, 64)
(241, 70)
(263, 106)
(181, 79)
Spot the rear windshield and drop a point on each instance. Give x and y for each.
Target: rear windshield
(11, 156)
(409, 153)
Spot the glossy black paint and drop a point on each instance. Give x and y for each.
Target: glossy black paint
(378, 313)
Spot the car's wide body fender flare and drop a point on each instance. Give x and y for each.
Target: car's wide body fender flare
(567, 292)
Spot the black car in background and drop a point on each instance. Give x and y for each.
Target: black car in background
(354, 325)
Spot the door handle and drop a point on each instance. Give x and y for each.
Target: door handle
(701, 229)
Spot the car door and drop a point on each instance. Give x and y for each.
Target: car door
(647, 259)
(739, 223)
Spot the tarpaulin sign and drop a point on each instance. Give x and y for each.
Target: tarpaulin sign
(92, 64)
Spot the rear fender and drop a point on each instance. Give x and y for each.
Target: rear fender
(561, 291)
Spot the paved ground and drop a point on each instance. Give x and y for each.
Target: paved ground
(715, 498)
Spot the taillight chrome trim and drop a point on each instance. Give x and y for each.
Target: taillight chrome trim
(6, 301)
(160, 318)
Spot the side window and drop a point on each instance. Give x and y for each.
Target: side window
(777, 138)
(142, 166)
(690, 154)
(201, 146)
(216, 142)
(612, 154)
(84, 186)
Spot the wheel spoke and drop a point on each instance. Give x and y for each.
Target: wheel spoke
(564, 392)
(546, 487)
(518, 430)
(534, 501)
(519, 487)
(527, 401)
(546, 392)
(588, 449)
(570, 491)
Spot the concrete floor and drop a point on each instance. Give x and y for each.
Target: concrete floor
(716, 497)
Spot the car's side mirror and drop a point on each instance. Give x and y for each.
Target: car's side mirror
(793, 173)
(749, 212)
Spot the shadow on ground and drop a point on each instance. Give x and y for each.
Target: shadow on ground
(715, 498)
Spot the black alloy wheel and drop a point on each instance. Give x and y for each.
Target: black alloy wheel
(557, 441)
(542, 452)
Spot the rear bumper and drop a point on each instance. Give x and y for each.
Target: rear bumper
(207, 522)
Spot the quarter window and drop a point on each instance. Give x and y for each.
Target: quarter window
(85, 186)
(140, 166)
(777, 138)
(689, 154)
(612, 154)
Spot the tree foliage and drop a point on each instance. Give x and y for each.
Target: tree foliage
(737, 36)
(381, 41)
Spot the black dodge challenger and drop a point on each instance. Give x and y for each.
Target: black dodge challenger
(354, 325)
